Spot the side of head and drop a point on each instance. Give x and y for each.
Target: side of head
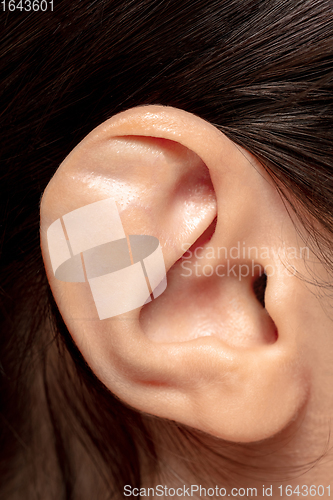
(214, 106)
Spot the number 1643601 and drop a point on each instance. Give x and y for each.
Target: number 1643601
(27, 5)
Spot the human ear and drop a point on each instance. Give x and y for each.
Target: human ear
(206, 352)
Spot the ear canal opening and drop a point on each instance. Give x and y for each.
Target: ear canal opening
(259, 287)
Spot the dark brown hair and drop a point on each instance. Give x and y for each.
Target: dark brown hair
(261, 71)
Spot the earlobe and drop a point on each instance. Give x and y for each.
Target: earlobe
(205, 352)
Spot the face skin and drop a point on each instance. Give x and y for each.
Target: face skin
(254, 383)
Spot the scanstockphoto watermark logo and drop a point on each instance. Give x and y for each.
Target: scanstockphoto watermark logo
(241, 261)
(193, 490)
(199, 491)
(89, 244)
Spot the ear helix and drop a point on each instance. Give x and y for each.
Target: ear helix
(89, 244)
